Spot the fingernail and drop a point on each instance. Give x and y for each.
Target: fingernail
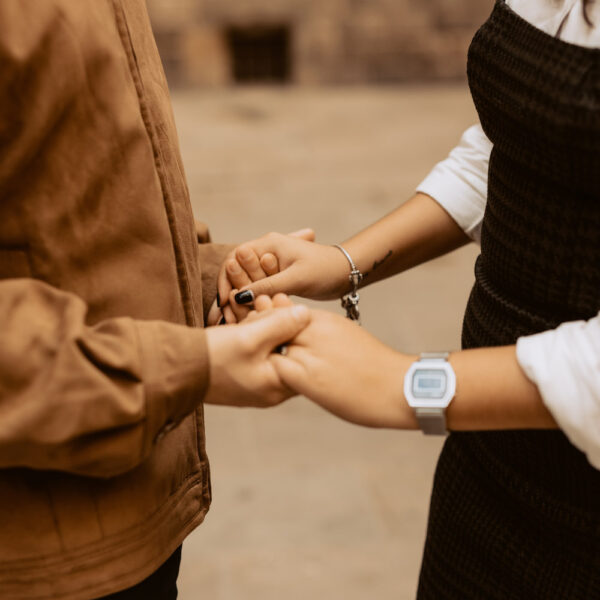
(218, 300)
(222, 321)
(244, 297)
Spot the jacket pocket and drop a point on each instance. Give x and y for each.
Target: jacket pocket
(14, 262)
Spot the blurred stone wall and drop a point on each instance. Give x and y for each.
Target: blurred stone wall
(330, 41)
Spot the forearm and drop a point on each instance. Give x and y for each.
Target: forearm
(493, 392)
(414, 233)
(445, 214)
(417, 231)
(355, 376)
(422, 228)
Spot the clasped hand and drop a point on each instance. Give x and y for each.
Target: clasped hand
(343, 368)
(329, 359)
(291, 264)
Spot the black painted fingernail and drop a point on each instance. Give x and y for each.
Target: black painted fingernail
(222, 321)
(244, 297)
(218, 300)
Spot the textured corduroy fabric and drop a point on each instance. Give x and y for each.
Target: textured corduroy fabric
(516, 514)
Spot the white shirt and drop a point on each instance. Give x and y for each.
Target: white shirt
(564, 363)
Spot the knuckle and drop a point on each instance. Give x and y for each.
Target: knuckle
(233, 267)
(280, 297)
(244, 252)
(267, 287)
(269, 261)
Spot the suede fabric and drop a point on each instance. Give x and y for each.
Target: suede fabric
(103, 362)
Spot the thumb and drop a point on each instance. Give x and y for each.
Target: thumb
(282, 325)
(305, 234)
(291, 372)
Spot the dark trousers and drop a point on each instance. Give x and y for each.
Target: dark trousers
(161, 585)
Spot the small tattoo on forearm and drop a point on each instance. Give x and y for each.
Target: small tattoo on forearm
(377, 264)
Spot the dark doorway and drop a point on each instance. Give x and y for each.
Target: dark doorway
(260, 54)
(168, 42)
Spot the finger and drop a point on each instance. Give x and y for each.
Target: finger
(280, 282)
(306, 234)
(269, 263)
(253, 315)
(214, 314)
(240, 311)
(236, 274)
(223, 286)
(263, 303)
(279, 326)
(281, 300)
(291, 371)
(248, 260)
(229, 315)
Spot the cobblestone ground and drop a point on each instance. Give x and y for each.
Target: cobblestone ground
(306, 506)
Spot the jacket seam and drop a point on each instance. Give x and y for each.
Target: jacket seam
(125, 552)
(55, 520)
(182, 276)
(50, 561)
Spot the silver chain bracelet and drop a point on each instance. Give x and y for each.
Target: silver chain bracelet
(350, 300)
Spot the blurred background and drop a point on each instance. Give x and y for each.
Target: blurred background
(320, 113)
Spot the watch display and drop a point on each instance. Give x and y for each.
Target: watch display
(429, 383)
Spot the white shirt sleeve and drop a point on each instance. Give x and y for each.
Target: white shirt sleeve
(459, 183)
(564, 363)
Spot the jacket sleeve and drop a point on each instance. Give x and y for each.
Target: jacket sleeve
(89, 400)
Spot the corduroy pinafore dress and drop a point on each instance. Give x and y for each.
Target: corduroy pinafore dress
(516, 514)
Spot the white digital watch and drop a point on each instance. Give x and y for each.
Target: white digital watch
(429, 386)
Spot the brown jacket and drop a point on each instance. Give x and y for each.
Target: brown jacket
(102, 369)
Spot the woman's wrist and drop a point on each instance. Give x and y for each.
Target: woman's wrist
(395, 411)
(338, 273)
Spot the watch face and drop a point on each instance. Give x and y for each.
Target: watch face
(429, 383)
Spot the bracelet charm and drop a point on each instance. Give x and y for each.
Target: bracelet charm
(350, 300)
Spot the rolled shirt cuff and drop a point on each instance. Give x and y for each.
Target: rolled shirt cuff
(564, 363)
(459, 183)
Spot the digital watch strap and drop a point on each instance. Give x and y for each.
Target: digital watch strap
(429, 386)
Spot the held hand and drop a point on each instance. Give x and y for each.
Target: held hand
(290, 265)
(348, 372)
(233, 276)
(241, 373)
